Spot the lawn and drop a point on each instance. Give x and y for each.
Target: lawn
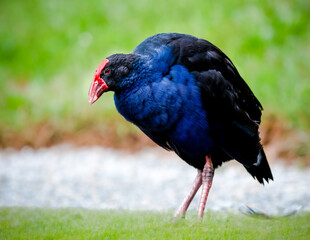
(38, 223)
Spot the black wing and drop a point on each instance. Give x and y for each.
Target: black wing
(232, 108)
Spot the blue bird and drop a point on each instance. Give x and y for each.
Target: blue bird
(186, 95)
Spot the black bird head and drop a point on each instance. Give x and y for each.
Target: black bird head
(112, 74)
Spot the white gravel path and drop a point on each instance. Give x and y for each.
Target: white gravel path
(95, 177)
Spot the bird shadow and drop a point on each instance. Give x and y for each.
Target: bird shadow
(256, 213)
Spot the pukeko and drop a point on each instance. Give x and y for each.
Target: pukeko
(187, 96)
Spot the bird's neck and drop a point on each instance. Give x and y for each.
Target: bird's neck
(143, 72)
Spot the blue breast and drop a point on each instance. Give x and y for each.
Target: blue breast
(169, 105)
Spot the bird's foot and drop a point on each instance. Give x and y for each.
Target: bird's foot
(203, 178)
(207, 177)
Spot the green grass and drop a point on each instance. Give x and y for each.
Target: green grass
(38, 223)
(50, 49)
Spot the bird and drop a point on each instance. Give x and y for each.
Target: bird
(187, 96)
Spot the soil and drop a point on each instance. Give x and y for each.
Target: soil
(280, 140)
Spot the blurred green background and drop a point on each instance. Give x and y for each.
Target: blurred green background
(50, 50)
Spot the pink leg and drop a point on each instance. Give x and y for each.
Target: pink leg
(188, 199)
(207, 177)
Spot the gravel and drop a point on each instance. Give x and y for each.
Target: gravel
(152, 179)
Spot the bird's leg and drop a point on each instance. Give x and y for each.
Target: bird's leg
(207, 177)
(188, 199)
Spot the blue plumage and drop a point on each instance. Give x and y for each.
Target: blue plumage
(167, 103)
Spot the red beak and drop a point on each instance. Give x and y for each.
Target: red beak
(98, 86)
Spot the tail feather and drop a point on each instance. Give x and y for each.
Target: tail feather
(261, 170)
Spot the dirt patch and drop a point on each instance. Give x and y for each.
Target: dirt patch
(47, 135)
(279, 139)
(282, 141)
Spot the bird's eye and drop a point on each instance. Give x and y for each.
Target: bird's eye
(107, 71)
